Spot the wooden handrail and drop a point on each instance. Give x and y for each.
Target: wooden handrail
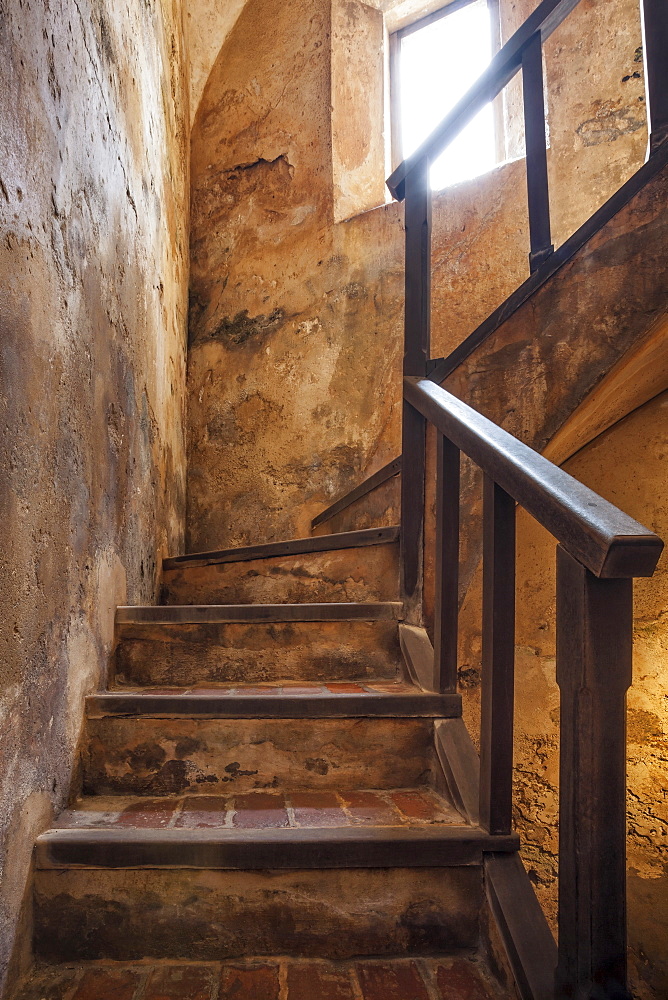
(600, 549)
(599, 535)
(547, 16)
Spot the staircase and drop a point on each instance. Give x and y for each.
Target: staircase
(278, 795)
(264, 787)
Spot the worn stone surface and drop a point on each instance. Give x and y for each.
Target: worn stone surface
(171, 756)
(626, 465)
(300, 651)
(334, 913)
(370, 573)
(93, 271)
(263, 978)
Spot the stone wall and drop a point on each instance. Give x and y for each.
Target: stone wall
(93, 271)
(296, 318)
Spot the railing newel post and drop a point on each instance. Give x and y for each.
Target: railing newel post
(417, 306)
(498, 658)
(594, 651)
(446, 596)
(654, 17)
(536, 153)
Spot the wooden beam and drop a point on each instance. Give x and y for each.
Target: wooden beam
(524, 931)
(346, 847)
(224, 705)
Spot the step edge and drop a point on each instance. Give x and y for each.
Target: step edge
(211, 614)
(310, 544)
(468, 843)
(413, 705)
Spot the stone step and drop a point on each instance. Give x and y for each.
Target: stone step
(208, 741)
(231, 652)
(297, 828)
(348, 566)
(270, 978)
(282, 700)
(201, 914)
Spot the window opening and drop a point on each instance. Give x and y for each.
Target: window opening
(434, 62)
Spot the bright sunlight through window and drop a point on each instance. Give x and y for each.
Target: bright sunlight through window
(438, 63)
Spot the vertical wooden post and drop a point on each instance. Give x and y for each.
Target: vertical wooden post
(594, 645)
(654, 14)
(498, 659)
(536, 153)
(446, 598)
(416, 355)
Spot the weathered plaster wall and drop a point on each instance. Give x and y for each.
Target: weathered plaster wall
(627, 465)
(93, 277)
(296, 320)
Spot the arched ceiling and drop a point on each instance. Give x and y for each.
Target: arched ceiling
(209, 23)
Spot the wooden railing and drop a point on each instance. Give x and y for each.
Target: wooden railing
(410, 182)
(600, 549)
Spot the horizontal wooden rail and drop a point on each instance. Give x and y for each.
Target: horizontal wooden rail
(596, 533)
(392, 468)
(547, 16)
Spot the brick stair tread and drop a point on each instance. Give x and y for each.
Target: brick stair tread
(291, 547)
(412, 827)
(281, 700)
(386, 978)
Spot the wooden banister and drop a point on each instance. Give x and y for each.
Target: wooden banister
(600, 548)
(600, 536)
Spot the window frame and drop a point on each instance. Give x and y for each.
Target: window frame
(395, 39)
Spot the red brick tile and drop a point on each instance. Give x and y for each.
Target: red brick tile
(305, 691)
(392, 981)
(203, 811)
(345, 688)
(108, 984)
(180, 982)
(417, 805)
(317, 981)
(318, 809)
(260, 810)
(460, 980)
(48, 984)
(248, 983)
(369, 808)
(148, 813)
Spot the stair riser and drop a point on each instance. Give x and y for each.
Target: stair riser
(182, 655)
(144, 756)
(370, 573)
(204, 915)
